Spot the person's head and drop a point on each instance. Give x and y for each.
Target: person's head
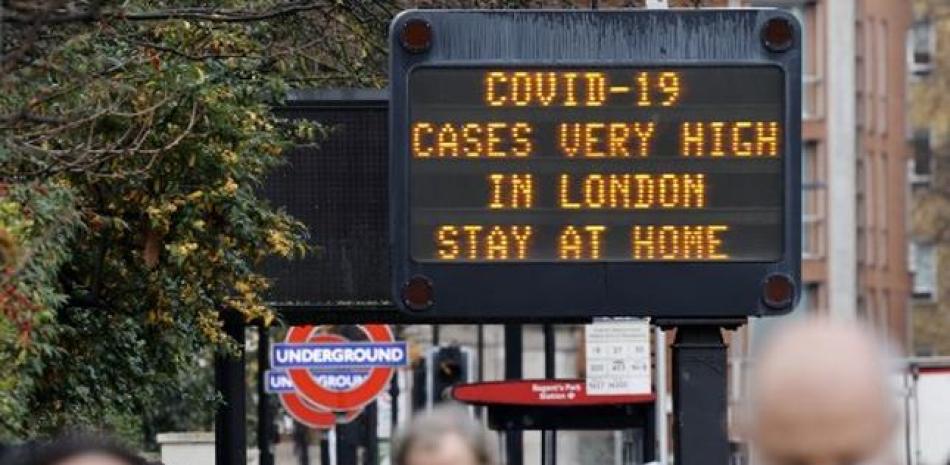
(820, 396)
(76, 449)
(445, 436)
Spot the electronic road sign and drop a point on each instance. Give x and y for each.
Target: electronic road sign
(556, 164)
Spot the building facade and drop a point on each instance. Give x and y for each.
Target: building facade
(928, 60)
(856, 205)
(855, 150)
(854, 161)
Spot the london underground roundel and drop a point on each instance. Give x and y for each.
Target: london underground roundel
(308, 414)
(366, 366)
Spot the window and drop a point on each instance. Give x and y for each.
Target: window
(883, 203)
(923, 158)
(925, 350)
(869, 56)
(808, 303)
(861, 209)
(924, 267)
(870, 191)
(869, 313)
(810, 80)
(884, 314)
(812, 186)
(921, 47)
(881, 80)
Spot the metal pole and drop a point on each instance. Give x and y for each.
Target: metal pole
(393, 404)
(332, 440)
(699, 396)
(480, 354)
(661, 430)
(302, 445)
(646, 439)
(325, 447)
(264, 419)
(430, 377)
(908, 454)
(513, 347)
(348, 441)
(230, 440)
(394, 393)
(370, 437)
(549, 437)
(549, 352)
(915, 372)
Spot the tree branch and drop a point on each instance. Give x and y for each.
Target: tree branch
(27, 116)
(200, 14)
(188, 56)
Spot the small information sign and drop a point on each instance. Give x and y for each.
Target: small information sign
(618, 358)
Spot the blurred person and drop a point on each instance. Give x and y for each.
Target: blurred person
(447, 435)
(821, 396)
(74, 449)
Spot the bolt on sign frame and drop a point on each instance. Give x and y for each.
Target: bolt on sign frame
(517, 137)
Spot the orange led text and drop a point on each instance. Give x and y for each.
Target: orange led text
(633, 191)
(471, 140)
(679, 242)
(482, 242)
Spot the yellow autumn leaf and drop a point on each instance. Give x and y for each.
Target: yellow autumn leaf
(230, 186)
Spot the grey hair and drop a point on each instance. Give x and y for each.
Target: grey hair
(434, 425)
(885, 353)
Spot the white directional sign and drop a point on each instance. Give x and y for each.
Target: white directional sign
(618, 357)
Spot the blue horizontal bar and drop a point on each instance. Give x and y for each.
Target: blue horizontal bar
(336, 354)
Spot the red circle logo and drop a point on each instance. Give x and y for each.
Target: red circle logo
(345, 399)
(304, 411)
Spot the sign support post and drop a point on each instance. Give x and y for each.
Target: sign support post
(661, 430)
(513, 346)
(230, 440)
(264, 414)
(699, 395)
(549, 437)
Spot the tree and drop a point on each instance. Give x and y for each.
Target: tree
(133, 136)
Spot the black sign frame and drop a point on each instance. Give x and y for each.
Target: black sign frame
(552, 291)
